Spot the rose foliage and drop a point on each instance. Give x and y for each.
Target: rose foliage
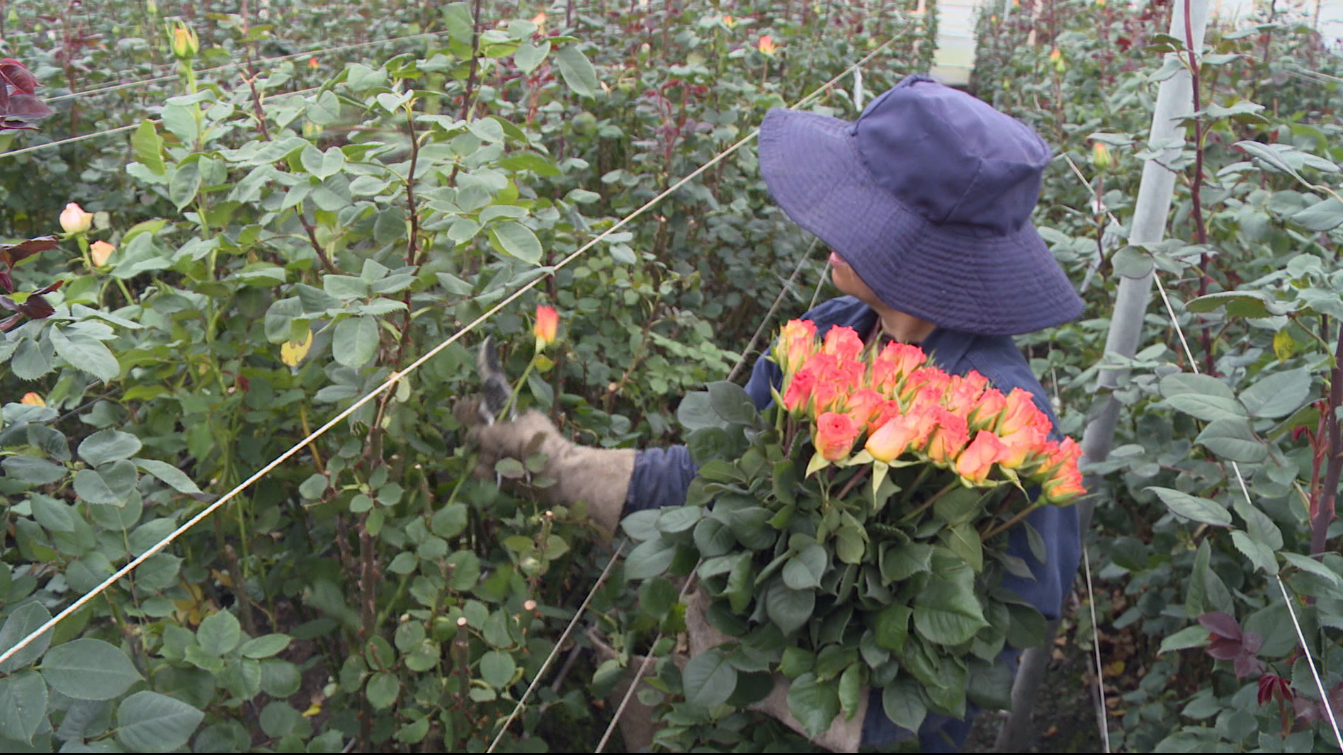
(853, 535)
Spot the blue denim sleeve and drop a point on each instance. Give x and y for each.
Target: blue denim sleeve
(661, 477)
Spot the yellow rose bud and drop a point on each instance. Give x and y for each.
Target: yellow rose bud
(184, 42)
(32, 399)
(1101, 159)
(75, 220)
(100, 251)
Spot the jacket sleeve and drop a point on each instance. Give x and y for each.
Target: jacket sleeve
(661, 478)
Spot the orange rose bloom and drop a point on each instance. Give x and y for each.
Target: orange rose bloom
(1064, 485)
(1020, 410)
(862, 404)
(843, 342)
(797, 396)
(835, 434)
(797, 341)
(976, 461)
(907, 432)
(547, 322)
(947, 438)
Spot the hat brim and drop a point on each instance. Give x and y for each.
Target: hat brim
(956, 276)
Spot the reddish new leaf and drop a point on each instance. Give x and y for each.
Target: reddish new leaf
(14, 74)
(1221, 624)
(1313, 710)
(13, 254)
(36, 307)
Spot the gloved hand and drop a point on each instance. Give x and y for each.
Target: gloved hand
(842, 736)
(598, 477)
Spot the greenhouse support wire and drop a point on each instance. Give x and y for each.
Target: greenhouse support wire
(1240, 478)
(235, 63)
(395, 377)
(717, 158)
(119, 129)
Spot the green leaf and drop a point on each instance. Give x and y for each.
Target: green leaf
(265, 646)
(649, 559)
(851, 690)
(516, 240)
(804, 570)
(657, 596)
(1321, 216)
(1304, 563)
(963, 541)
(322, 164)
(891, 627)
(528, 56)
(219, 633)
(1207, 408)
(1277, 395)
(85, 353)
(1190, 637)
(708, 679)
(111, 484)
(167, 473)
(355, 341)
(732, 403)
(900, 561)
(23, 706)
(903, 702)
(449, 521)
(53, 515)
(1193, 508)
(813, 703)
(88, 669)
(1258, 525)
(789, 609)
(577, 70)
(22, 622)
(151, 722)
(185, 183)
(1258, 553)
(679, 518)
(149, 147)
(382, 690)
(1197, 588)
(108, 445)
(947, 612)
(1237, 303)
(1182, 383)
(991, 685)
(1233, 439)
(497, 667)
(1028, 627)
(31, 470)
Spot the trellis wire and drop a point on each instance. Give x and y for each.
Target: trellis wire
(397, 376)
(119, 129)
(764, 322)
(235, 63)
(1240, 478)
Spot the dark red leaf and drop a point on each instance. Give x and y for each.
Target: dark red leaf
(13, 254)
(14, 74)
(1313, 710)
(1224, 649)
(53, 287)
(36, 307)
(6, 283)
(1221, 624)
(1246, 665)
(1251, 641)
(26, 107)
(9, 304)
(9, 322)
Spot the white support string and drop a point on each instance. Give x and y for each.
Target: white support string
(1245, 490)
(1096, 650)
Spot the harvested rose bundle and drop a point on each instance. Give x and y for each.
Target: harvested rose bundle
(855, 535)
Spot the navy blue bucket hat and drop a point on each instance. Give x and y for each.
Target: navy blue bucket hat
(928, 196)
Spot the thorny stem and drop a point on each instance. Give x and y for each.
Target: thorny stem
(1009, 523)
(411, 247)
(475, 57)
(316, 245)
(1323, 514)
(857, 478)
(931, 499)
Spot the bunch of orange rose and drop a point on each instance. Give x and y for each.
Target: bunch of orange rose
(892, 408)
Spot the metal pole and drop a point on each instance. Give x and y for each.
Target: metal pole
(1174, 101)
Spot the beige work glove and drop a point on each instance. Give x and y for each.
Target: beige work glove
(842, 736)
(598, 477)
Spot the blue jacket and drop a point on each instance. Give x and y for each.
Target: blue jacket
(662, 475)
